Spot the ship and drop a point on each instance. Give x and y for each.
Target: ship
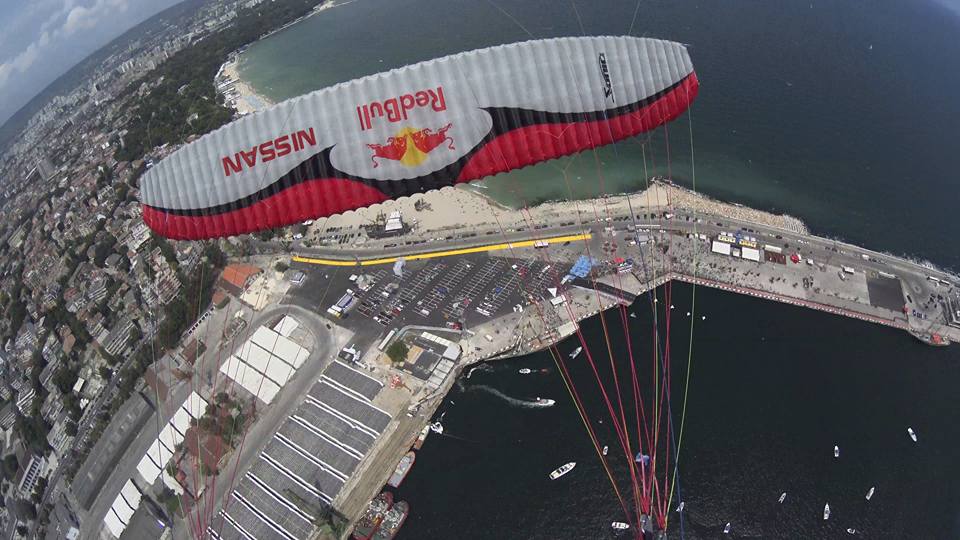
(562, 470)
(418, 442)
(576, 352)
(371, 519)
(392, 521)
(406, 463)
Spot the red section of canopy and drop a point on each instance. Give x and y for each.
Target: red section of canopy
(307, 200)
(533, 144)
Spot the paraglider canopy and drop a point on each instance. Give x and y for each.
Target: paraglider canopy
(421, 127)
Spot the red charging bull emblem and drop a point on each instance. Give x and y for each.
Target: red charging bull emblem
(399, 147)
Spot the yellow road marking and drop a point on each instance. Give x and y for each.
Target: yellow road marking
(447, 253)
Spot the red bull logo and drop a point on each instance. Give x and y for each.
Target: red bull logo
(411, 146)
(395, 109)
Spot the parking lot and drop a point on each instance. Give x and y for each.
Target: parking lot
(454, 292)
(307, 461)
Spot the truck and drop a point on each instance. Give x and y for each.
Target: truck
(539, 244)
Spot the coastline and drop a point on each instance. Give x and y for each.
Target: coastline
(466, 208)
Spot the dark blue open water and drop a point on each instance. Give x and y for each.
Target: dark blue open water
(845, 114)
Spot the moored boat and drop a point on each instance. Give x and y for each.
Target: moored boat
(562, 470)
(436, 427)
(371, 519)
(418, 442)
(403, 467)
(392, 521)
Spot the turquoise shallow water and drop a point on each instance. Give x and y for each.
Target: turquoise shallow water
(842, 114)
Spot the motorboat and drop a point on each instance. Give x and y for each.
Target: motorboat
(680, 507)
(726, 528)
(620, 526)
(782, 497)
(576, 352)
(836, 451)
(545, 402)
(605, 450)
(826, 511)
(912, 434)
(562, 470)
(870, 493)
(633, 315)
(525, 371)
(851, 531)
(436, 427)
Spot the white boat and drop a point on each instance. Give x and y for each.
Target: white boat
(826, 511)
(576, 352)
(912, 434)
(562, 470)
(546, 402)
(620, 526)
(726, 528)
(436, 427)
(836, 451)
(782, 497)
(851, 531)
(870, 493)
(680, 507)
(605, 450)
(633, 315)
(525, 371)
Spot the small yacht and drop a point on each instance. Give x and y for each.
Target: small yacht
(605, 450)
(436, 427)
(782, 497)
(826, 511)
(726, 528)
(576, 352)
(620, 526)
(851, 531)
(525, 371)
(912, 434)
(870, 493)
(633, 315)
(562, 470)
(680, 508)
(545, 402)
(836, 451)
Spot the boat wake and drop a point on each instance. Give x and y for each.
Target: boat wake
(479, 368)
(524, 403)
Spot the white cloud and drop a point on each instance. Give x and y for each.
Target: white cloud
(66, 21)
(85, 18)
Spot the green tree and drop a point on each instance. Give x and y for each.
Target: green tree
(10, 466)
(281, 267)
(398, 352)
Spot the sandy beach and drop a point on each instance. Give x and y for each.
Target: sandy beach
(242, 96)
(464, 207)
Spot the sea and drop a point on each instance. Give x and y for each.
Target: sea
(843, 114)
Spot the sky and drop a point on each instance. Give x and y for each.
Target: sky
(42, 39)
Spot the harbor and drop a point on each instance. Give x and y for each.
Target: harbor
(516, 300)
